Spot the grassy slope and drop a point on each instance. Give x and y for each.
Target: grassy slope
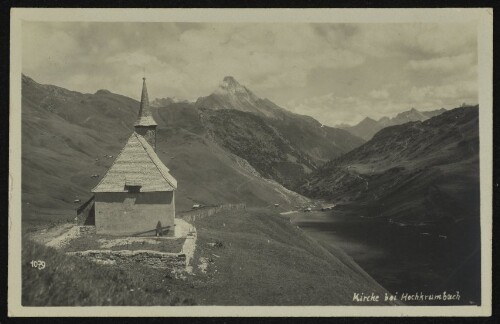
(421, 171)
(263, 260)
(64, 132)
(206, 173)
(322, 143)
(71, 281)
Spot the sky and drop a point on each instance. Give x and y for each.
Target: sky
(336, 73)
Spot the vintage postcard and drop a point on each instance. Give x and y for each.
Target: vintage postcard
(271, 162)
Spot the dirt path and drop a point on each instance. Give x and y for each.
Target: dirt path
(189, 247)
(57, 236)
(64, 238)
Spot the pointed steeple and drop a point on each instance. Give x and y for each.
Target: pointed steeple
(145, 118)
(145, 124)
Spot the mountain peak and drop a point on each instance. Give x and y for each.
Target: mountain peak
(164, 102)
(368, 120)
(232, 88)
(230, 80)
(230, 94)
(409, 115)
(369, 127)
(102, 92)
(229, 84)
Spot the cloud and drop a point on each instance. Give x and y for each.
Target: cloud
(283, 54)
(47, 49)
(444, 63)
(197, 57)
(334, 72)
(379, 94)
(414, 40)
(457, 91)
(333, 109)
(136, 59)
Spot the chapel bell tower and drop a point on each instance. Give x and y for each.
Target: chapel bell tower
(145, 124)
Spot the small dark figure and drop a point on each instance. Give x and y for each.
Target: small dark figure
(158, 229)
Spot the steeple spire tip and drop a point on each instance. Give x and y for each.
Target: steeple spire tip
(145, 118)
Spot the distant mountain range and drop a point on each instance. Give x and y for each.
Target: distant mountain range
(279, 144)
(217, 155)
(423, 171)
(232, 146)
(163, 102)
(369, 127)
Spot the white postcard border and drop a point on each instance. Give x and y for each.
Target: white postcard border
(484, 19)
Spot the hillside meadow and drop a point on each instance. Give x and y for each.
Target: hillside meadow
(70, 139)
(259, 258)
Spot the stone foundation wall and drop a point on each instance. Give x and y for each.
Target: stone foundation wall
(86, 230)
(159, 260)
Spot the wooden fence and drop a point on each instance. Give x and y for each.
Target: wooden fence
(195, 214)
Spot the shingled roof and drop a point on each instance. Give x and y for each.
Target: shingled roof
(145, 118)
(137, 165)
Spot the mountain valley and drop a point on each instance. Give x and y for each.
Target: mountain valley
(410, 178)
(414, 172)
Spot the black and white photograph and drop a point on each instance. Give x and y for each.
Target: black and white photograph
(185, 159)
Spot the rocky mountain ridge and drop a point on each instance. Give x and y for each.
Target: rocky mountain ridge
(369, 126)
(70, 139)
(230, 94)
(280, 145)
(413, 172)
